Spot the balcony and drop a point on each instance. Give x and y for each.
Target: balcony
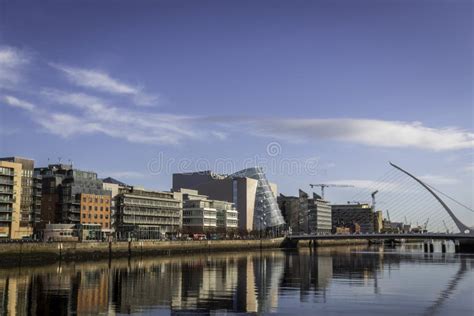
(5, 218)
(6, 191)
(10, 173)
(74, 218)
(6, 209)
(6, 181)
(8, 201)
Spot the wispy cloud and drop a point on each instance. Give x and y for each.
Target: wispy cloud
(12, 62)
(95, 115)
(469, 167)
(377, 133)
(83, 113)
(103, 82)
(367, 184)
(438, 179)
(14, 102)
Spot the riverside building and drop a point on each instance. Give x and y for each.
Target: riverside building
(346, 215)
(249, 190)
(29, 193)
(306, 215)
(72, 196)
(146, 214)
(201, 215)
(10, 200)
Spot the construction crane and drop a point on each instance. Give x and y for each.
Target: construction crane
(324, 185)
(446, 226)
(388, 216)
(425, 225)
(373, 199)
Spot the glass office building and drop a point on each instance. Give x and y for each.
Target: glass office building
(267, 213)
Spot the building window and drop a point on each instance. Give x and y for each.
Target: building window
(106, 225)
(90, 208)
(101, 208)
(84, 199)
(84, 207)
(95, 208)
(95, 216)
(106, 209)
(83, 215)
(90, 200)
(89, 215)
(101, 216)
(96, 200)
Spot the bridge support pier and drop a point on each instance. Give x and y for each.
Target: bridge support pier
(428, 246)
(443, 247)
(457, 247)
(466, 246)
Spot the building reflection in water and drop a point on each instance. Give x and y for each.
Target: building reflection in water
(239, 282)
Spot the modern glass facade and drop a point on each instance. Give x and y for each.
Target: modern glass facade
(266, 213)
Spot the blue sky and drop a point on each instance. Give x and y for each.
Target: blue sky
(120, 88)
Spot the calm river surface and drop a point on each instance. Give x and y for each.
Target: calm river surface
(352, 280)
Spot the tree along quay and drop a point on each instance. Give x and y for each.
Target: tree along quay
(39, 253)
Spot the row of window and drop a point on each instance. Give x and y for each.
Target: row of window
(96, 208)
(150, 202)
(95, 216)
(150, 212)
(96, 200)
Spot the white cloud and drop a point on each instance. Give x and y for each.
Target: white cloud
(367, 184)
(368, 132)
(94, 115)
(437, 179)
(101, 81)
(12, 62)
(12, 101)
(470, 167)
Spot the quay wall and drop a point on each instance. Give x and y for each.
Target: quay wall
(50, 252)
(30, 253)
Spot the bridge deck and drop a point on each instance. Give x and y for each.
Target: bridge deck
(384, 236)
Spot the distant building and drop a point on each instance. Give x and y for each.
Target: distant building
(249, 190)
(71, 196)
(227, 217)
(146, 214)
(320, 215)
(10, 201)
(201, 215)
(95, 209)
(113, 185)
(305, 215)
(345, 215)
(60, 232)
(28, 194)
(290, 209)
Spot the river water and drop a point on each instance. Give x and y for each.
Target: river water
(326, 281)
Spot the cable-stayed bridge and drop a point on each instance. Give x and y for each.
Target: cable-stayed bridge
(408, 199)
